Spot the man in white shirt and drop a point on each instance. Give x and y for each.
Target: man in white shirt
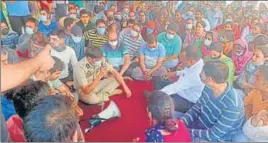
(186, 91)
(64, 53)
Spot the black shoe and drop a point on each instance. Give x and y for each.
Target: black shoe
(147, 94)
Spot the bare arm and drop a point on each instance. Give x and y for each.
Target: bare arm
(170, 57)
(126, 64)
(14, 74)
(89, 88)
(158, 65)
(142, 65)
(121, 81)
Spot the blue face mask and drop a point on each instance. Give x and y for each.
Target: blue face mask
(149, 30)
(100, 31)
(43, 18)
(76, 39)
(29, 31)
(246, 15)
(258, 64)
(222, 39)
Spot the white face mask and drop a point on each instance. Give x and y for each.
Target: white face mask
(113, 43)
(189, 26)
(98, 63)
(134, 33)
(207, 42)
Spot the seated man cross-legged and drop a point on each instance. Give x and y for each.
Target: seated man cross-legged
(92, 81)
(151, 57)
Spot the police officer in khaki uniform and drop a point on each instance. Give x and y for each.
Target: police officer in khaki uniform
(92, 79)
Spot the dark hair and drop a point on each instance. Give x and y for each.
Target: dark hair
(189, 19)
(162, 108)
(27, 96)
(202, 23)
(151, 39)
(54, 119)
(33, 20)
(93, 52)
(68, 21)
(210, 33)
(142, 12)
(99, 21)
(137, 24)
(131, 21)
(39, 38)
(230, 23)
(217, 70)
(45, 9)
(70, 8)
(229, 35)
(193, 53)
(58, 32)
(216, 46)
(58, 65)
(260, 40)
(84, 11)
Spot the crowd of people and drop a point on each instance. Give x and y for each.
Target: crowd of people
(207, 61)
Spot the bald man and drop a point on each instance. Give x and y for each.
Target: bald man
(117, 54)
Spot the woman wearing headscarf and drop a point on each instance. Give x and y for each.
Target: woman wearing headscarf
(209, 38)
(164, 127)
(241, 55)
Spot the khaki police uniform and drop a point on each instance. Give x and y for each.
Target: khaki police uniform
(84, 75)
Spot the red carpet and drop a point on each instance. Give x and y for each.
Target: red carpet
(131, 124)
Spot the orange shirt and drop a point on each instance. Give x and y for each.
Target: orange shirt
(254, 103)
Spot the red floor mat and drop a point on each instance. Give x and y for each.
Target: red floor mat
(133, 120)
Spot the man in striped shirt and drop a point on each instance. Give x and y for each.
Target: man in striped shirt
(219, 113)
(97, 37)
(132, 40)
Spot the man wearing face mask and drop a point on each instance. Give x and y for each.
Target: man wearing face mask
(118, 20)
(217, 16)
(77, 42)
(117, 54)
(132, 41)
(151, 57)
(172, 43)
(58, 50)
(72, 13)
(189, 26)
(97, 37)
(8, 38)
(219, 112)
(216, 53)
(46, 25)
(24, 39)
(189, 13)
(91, 81)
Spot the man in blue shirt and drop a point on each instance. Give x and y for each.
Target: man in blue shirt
(8, 38)
(219, 113)
(172, 43)
(117, 54)
(151, 59)
(46, 25)
(18, 12)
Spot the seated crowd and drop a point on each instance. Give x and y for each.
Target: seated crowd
(207, 61)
